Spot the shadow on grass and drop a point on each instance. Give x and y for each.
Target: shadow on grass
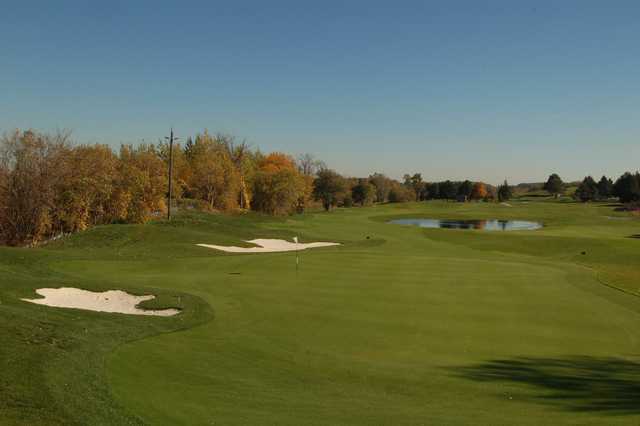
(611, 205)
(635, 236)
(580, 383)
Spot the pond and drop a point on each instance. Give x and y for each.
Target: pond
(487, 225)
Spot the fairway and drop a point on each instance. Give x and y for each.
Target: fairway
(398, 325)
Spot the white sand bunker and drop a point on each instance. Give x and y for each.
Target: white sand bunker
(269, 246)
(115, 301)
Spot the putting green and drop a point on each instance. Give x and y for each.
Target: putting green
(398, 325)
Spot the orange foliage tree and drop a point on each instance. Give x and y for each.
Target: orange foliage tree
(278, 187)
(479, 191)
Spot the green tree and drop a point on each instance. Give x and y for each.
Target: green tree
(448, 190)
(587, 190)
(605, 187)
(329, 188)
(627, 188)
(465, 189)
(504, 192)
(363, 192)
(432, 191)
(554, 185)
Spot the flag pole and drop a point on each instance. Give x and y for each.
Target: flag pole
(297, 257)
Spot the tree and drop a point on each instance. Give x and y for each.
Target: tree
(605, 187)
(465, 189)
(627, 188)
(587, 190)
(308, 165)
(239, 153)
(479, 191)
(328, 187)
(448, 190)
(432, 191)
(492, 193)
(141, 183)
(554, 185)
(383, 186)
(401, 194)
(278, 186)
(32, 170)
(214, 176)
(181, 169)
(363, 192)
(414, 182)
(85, 192)
(504, 192)
(277, 192)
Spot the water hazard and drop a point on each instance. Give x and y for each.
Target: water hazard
(487, 225)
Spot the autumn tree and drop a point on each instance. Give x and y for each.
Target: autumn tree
(141, 183)
(85, 192)
(401, 194)
(479, 191)
(181, 168)
(31, 171)
(214, 177)
(240, 155)
(382, 184)
(416, 184)
(492, 193)
(278, 186)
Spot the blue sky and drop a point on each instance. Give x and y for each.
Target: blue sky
(456, 89)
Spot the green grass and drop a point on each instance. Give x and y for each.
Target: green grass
(408, 326)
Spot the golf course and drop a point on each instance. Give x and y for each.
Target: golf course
(396, 325)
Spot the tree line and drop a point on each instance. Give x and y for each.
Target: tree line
(51, 186)
(626, 188)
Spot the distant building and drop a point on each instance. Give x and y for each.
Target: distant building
(462, 198)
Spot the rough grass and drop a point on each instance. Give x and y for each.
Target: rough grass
(399, 325)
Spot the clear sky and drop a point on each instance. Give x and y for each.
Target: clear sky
(451, 89)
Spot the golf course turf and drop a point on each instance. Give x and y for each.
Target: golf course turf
(396, 326)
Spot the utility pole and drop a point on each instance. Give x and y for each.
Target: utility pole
(170, 139)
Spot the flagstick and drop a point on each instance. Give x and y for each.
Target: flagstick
(297, 257)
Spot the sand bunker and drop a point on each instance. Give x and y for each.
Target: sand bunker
(269, 246)
(115, 301)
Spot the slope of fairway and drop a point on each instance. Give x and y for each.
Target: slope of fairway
(398, 325)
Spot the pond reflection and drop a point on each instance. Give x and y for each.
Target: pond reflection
(480, 224)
